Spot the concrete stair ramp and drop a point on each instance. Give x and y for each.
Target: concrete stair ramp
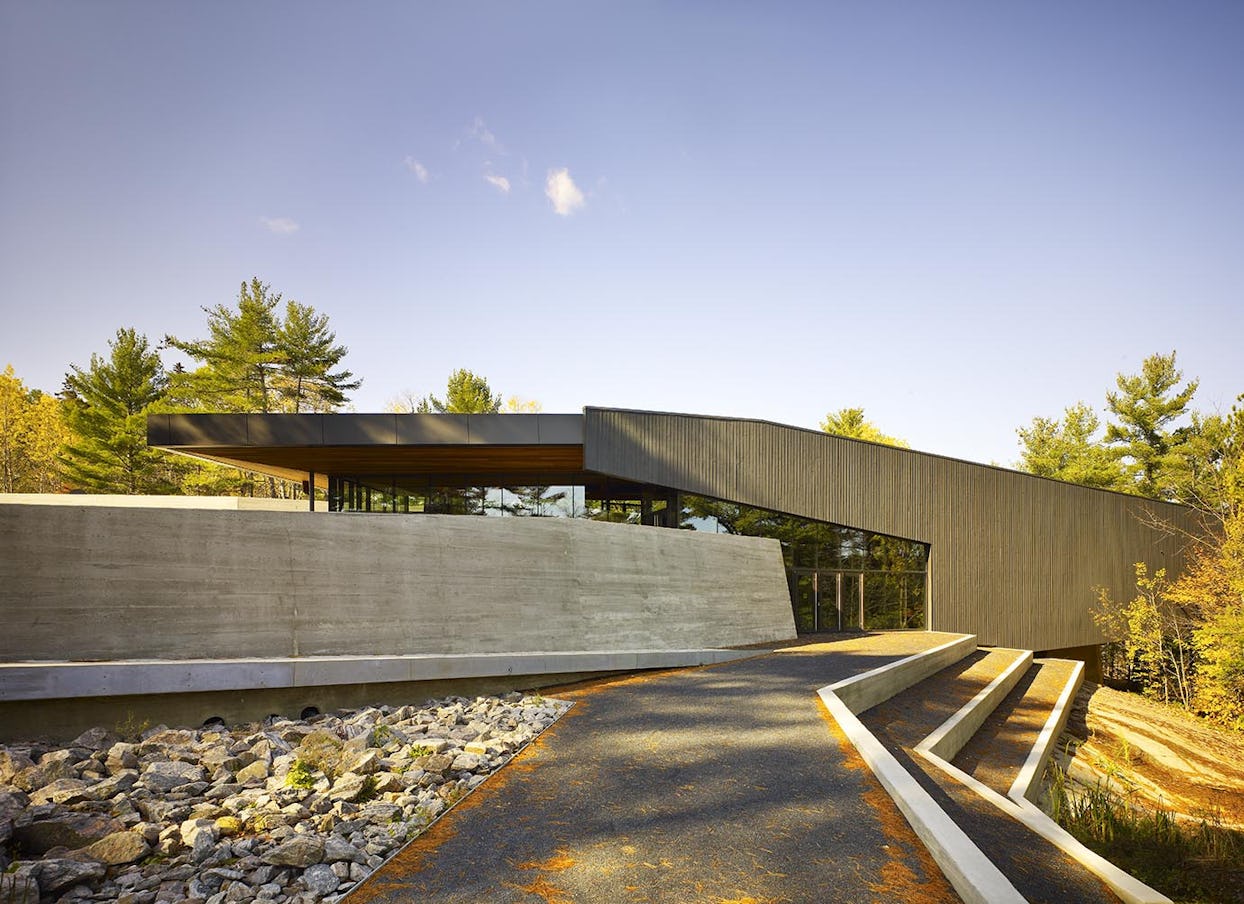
(970, 872)
(1009, 700)
(1018, 800)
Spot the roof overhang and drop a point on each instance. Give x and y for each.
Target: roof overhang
(443, 448)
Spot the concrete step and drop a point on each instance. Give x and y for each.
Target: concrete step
(998, 750)
(1036, 867)
(913, 714)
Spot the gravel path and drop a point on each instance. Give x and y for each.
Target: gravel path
(721, 784)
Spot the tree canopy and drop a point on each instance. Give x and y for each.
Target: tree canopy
(465, 393)
(256, 360)
(851, 422)
(1068, 449)
(1146, 408)
(107, 407)
(32, 431)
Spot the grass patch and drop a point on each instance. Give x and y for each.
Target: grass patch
(1199, 862)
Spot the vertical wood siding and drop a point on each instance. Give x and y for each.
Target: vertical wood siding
(1015, 559)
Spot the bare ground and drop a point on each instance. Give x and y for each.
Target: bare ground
(1159, 753)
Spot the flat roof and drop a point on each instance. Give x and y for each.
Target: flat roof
(536, 448)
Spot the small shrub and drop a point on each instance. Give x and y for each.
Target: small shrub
(418, 750)
(131, 728)
(300, 776)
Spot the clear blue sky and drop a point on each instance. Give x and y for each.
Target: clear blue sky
(957, 215)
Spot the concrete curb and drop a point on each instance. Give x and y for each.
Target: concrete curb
(1129, 889)
(60, 680)
(952, 734)
(971, 873)
(1027, 785)
(864, 691)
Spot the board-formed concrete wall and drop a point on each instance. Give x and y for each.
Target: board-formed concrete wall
(90, 583)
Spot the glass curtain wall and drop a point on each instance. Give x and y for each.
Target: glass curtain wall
(840, 578)
(402, 495)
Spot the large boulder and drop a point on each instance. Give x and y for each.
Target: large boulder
(95, 739)
(118, 848)
(63, 828)
(20, 886)
(13, 762)
(12, 803)
(61, 791)
(56, 873)
(165, 775)
(320, 879)
(299, 850)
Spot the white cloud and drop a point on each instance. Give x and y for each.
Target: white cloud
(420, 171)
(562, 192)
(481, 133)
(502, 183)
(279, 225)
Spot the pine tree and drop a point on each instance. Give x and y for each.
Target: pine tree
(240, 355)
(1147, 406)
(305, 349)
(253, 360)
(466, 393)
(107, 407)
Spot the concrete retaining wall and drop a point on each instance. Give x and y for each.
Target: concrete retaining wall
(92, 583)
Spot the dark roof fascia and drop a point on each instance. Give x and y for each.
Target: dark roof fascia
(203, 431)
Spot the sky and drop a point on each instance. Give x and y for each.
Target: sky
(956, 215)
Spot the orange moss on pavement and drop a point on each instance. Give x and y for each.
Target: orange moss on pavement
(411, 858)
(898, 880)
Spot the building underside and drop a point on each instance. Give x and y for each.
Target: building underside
(872, 536)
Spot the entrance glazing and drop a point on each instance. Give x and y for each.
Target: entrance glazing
(856, 600)
(840, 578)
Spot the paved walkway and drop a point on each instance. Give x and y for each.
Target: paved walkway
(722, 784)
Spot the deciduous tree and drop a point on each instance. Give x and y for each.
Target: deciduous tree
(32, 430)
(1068, 449)
(851, 422)
(1213, 587)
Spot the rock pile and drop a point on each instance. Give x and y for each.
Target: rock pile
(284, 811)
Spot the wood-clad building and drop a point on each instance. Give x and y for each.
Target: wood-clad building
(1012, 558)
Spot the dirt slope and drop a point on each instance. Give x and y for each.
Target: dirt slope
(1167, 756)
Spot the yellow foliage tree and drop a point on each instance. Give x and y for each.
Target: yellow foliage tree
(32, 431)
(851, 422)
